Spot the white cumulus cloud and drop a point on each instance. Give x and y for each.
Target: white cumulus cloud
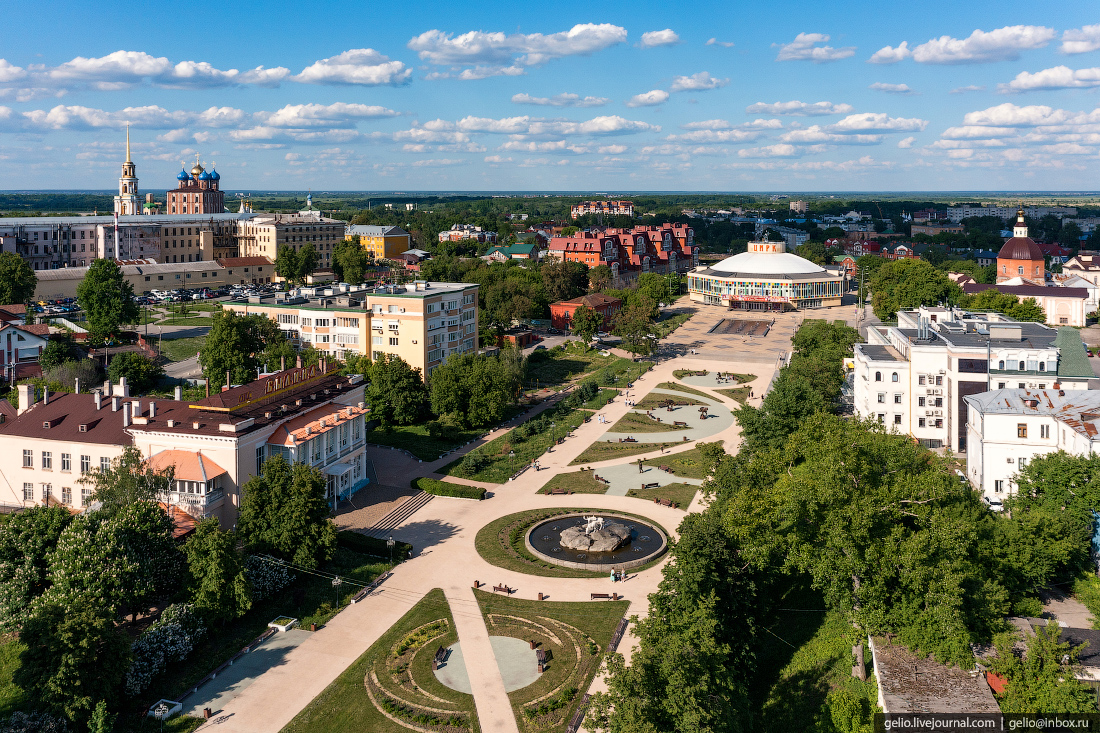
(968, 88)
(357, 66)
(879, 86)
(323, 115)
(560, 100)
(891, 54)
(1059, 77)
(652, 39)
(697, 82)
(648, 99)
(907, 142)
(10, 72)
(479, 47)
(1081, 40)
(805, 48)
(771, 151)
(877, 122)
(716, 42)
(1002, 44)
(798, 109)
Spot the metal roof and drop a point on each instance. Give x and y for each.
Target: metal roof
(163, 219)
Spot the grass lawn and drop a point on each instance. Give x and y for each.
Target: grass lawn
(682, 388)
(679, 493)
(601, 399)
(743, 378)
(415, 439)
(500, 543)
(309, 599)
(603, 451)
(665, 327)
(178, 308)
(577, 482)
(500, 466)
(12, 698)
(739, 394)
(345, 706)
(633, 422)
(689, 463)
(180, 349)
(577, 647)
(561, 368)
(654, 399)
(791, 685)
(188, 321)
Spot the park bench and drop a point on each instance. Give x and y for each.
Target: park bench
(653, 417)
(602, 480)
(604, 597)
(543, 655)
(679, 424)
(557, 492)
(668, 502)
(502, 589)
(654, 485)
(628, 440)
(439, 658)
(666, 469)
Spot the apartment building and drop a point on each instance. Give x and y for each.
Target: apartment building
(660, 249)
(145, 275)
(800, 207)
(309, 414)
(380, 242)
(261, 235)
(1007, 428)
(607, 208)
(422, 322)
(460, 232)
(914, 377)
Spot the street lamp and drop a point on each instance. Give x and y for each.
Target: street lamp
(336, 583)
(553, 439)
(390, 543)
(512, 455)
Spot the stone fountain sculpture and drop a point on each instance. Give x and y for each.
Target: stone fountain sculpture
(596, 535)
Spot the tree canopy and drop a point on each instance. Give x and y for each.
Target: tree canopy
(994, 300)
(474, 390)
(350, 261)
(239, 344)
(107, 299)
(396, 392)
(586, 323)
(908, 283)
(141, 372)
(216, 574)
(17, 279)
(294, 265)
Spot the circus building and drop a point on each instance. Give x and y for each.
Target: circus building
(766, 277)
(198, 192)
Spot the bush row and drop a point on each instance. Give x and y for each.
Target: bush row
(372, 545)
(445, 488)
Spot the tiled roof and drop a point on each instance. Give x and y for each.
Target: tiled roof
(243, 261)
(592, 300)
(189, 466)
(38, 329)
(14, 309)
(183, 523)
(304, 427)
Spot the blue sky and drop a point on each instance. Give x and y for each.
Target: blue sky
(560, 96)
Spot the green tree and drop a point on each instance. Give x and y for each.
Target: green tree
(239, 345)
(634, 323)
(599, 277)
(1042, 678)
(910, 283)
(474, 389)
(350, 261)
(26, 540)
(586, 323)
(218, 586)
(141, 372)
(565, 280)
(994, 300)
(128, 480)
(287, 264)
(308, 257)
(102, 720)
(17, 280)
(107, 299)
(284, 512)
(655, 286)
(74, 658)
(814, 252)
(396, 392)
(56, 353)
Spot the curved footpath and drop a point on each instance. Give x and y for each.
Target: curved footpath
(443, 533)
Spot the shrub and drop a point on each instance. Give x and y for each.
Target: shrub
(1087, 590)
(170, 639)
(33, 723)
(444, 488)
(472, 463)
(372, 545)
(87, 371)
(266, 577)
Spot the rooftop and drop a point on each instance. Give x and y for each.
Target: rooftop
(373, 230)
(189, 466)
(1079, 409)
(909, 683)
(134, 220)
(313, 423)
(880, 353)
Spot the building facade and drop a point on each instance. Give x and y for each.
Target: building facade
(261, 235)
(607, 208)
(630, 252)
(197, 193)
(422, 322)
(128, 202)
(462, 232)
(1020, 256)
(1063, 306)
(380, 242)
(561, 313)
(914, 377)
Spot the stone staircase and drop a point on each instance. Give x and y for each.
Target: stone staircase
(394, 519)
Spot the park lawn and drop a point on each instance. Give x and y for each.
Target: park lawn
(689, 463)
(791, 685)
(344, 705)
(180, 349)
(743, 378)
(12, 698)
(680, 493)
(415, 439)
(178, 308)
(664, 327)
(309, 599)
(604, 451)
(683, 388)
(570, 363)
(601, 399)
(594, 621)
(653, 400)
(188, 321)
(738, 394)
(501, 465)
(494, 542)
(575, 482)
(633, 422)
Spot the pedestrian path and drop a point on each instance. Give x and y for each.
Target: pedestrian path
(719, 418)
(626, 476)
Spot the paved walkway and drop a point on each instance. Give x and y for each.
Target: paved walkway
(516, 659)
(719, 419)
(443, 533)
(625, 476)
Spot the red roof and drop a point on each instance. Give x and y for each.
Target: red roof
(1020, 248)
(38, 329)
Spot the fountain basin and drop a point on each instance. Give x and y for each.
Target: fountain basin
(645, 542)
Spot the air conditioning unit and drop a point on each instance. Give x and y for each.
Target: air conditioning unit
(928, 413)
(1009, 460)
(943, 371)
(938, 413)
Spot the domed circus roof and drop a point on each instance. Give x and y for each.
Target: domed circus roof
(768, 263)
(1020, 248)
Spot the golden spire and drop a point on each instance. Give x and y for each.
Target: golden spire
(128, 143)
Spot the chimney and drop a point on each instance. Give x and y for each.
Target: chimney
(152, 409)
(179, 393)
(98, 399)
(45, 395)
(228, 382)
(298, 362)
(76, 386)
(26, 397)
(114, 403)
(107, 388)
(207, 381)
(136, 412)
(171, 423)
(282, 363)
(126, 414)
(123, 388)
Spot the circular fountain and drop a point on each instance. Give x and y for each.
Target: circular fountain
(600, 541)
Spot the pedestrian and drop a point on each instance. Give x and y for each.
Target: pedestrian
(612, 576)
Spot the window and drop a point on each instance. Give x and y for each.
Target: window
(920, 379)
(1021, 430)
(104, 464)
(920, 422)
(85, 464)
(939, 402)
(47, 460)
(85, 496)
(881, 397)
(939, 380)
(897, 399)
(393, 341)
(1042, 386)
(46, 489)
(1023, 463)
(878, 376)
(377, 340)
(1044, 431)
(1001, 364)
(1021, 385)
(881, 417)
(28, 492)
(67, 495)
(939, 422)
(1021, 366)
(897, 419)
(28, 458)
(259, 458)
(894, 377)
(1042, 366)
(920, 401)
(1019, 271)
(1000, 385)
(66, 462)
(998, 486)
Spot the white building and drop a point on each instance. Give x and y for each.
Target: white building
(1009, 427)
(913, 377)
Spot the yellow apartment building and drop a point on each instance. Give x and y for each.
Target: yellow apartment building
(381, 242)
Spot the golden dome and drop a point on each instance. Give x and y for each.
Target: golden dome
(196, 170)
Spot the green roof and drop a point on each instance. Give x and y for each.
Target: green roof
(1072, 359)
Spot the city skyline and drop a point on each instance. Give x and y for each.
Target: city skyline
(495, 98)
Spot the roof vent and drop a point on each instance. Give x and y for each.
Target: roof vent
(195, 425)
(47, 424)
(171, 423)
(268, 414)
(298, 403)
(323, 422)
(83, 427)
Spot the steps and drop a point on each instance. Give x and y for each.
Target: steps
(394, 519)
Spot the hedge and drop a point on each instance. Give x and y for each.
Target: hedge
(357, 542)
(446, 488)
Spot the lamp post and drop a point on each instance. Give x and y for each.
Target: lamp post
(390, 543)
(512, 455)
(553, 433)
(336, 583)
